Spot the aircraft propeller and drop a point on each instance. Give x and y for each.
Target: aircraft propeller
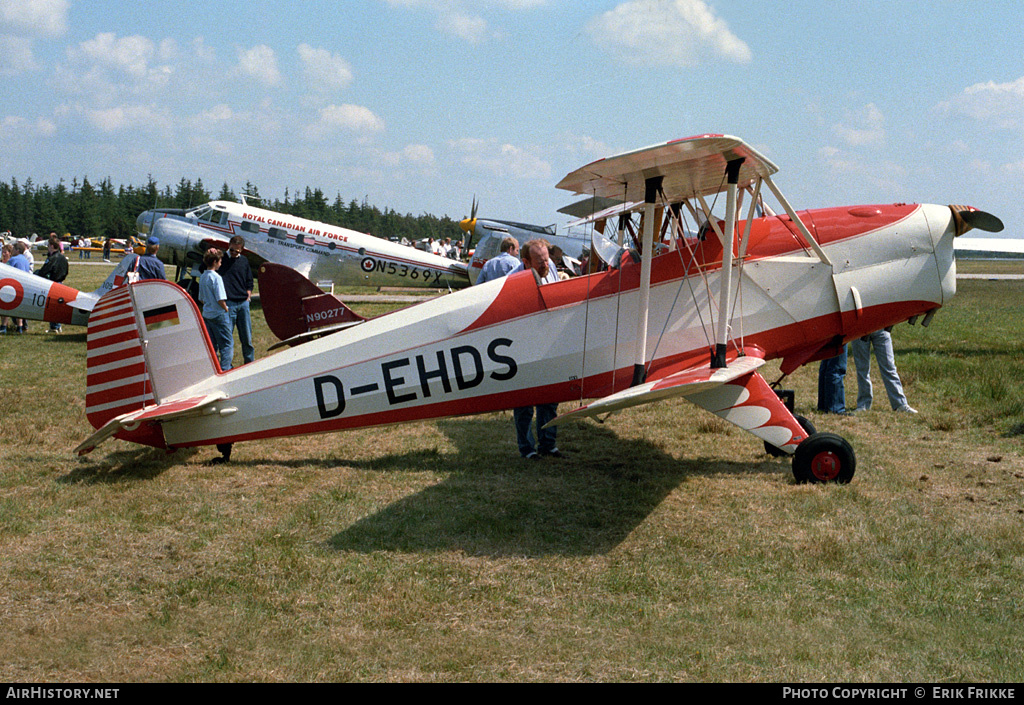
(968, 218)
(468, 225)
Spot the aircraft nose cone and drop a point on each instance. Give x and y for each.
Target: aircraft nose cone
(142, 223)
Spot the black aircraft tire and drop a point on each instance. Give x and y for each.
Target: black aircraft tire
(777, 452)
(824, 457)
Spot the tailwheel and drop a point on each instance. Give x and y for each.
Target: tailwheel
(777, 452)
(824, 457)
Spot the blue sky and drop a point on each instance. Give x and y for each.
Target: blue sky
(420, 105)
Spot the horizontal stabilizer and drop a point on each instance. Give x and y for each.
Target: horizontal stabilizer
(170, 410)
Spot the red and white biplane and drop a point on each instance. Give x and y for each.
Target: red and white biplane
(693, 311)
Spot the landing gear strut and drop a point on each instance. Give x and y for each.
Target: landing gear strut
(777, 452)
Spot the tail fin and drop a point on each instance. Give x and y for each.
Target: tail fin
(87, 300)
(146, 342)
(294, 305)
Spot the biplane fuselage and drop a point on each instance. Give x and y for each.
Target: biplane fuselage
(512, 343)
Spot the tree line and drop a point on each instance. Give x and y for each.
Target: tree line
(103, 210)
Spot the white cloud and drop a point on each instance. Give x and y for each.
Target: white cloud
(349, 118)
(16, 55)
(418, 157)
(326, 71)
(124, 117)
(863, 127)
(1013, 170)
(260, 62)
(217, 113)
(885, 176)
(14, 126)
(462, 18)
(471, 28)
(419, 154)
(999, 104)
(131, 55)
(37, 17)
(667, 33)
(502, 159)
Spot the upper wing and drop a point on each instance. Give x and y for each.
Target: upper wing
(690, 166)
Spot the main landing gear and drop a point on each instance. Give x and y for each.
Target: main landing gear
(821, 457)
(824, 457)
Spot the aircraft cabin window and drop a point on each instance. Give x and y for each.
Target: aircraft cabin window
(332, 245)
(300, 238)
(277, 234)
(250, 227)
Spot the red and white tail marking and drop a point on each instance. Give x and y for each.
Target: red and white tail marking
(116, 381)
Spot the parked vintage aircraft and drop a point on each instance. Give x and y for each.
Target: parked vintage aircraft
(321, 252)
(25, 295)
(484, 237)
(697, 320)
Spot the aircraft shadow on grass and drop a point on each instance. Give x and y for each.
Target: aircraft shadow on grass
(127, 465)
(501, 505)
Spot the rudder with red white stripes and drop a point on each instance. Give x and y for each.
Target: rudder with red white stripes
(146, 343)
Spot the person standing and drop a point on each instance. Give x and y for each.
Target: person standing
(881, 340)
(149, 265)
(831, 387)
(55, 268)
(505, 262)
(215, 307)
(535, 256)
(5, 257)
(21, 260)
(238, 283)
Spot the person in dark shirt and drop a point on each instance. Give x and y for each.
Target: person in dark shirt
(55, 269)
(238, 282)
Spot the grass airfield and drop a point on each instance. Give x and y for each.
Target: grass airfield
(667, 546)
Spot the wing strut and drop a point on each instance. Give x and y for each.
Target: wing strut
(732, 173)
(652, 187)
(797, 222)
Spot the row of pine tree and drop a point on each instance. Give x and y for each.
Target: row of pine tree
(86, 210)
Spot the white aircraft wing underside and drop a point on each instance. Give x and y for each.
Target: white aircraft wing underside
(689, 167)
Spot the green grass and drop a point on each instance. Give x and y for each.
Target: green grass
(668, 546)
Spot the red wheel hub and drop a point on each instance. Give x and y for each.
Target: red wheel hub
(826, 466)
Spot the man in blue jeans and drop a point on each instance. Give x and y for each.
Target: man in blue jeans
(238, 283)
(861, 349)
(831, 390)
